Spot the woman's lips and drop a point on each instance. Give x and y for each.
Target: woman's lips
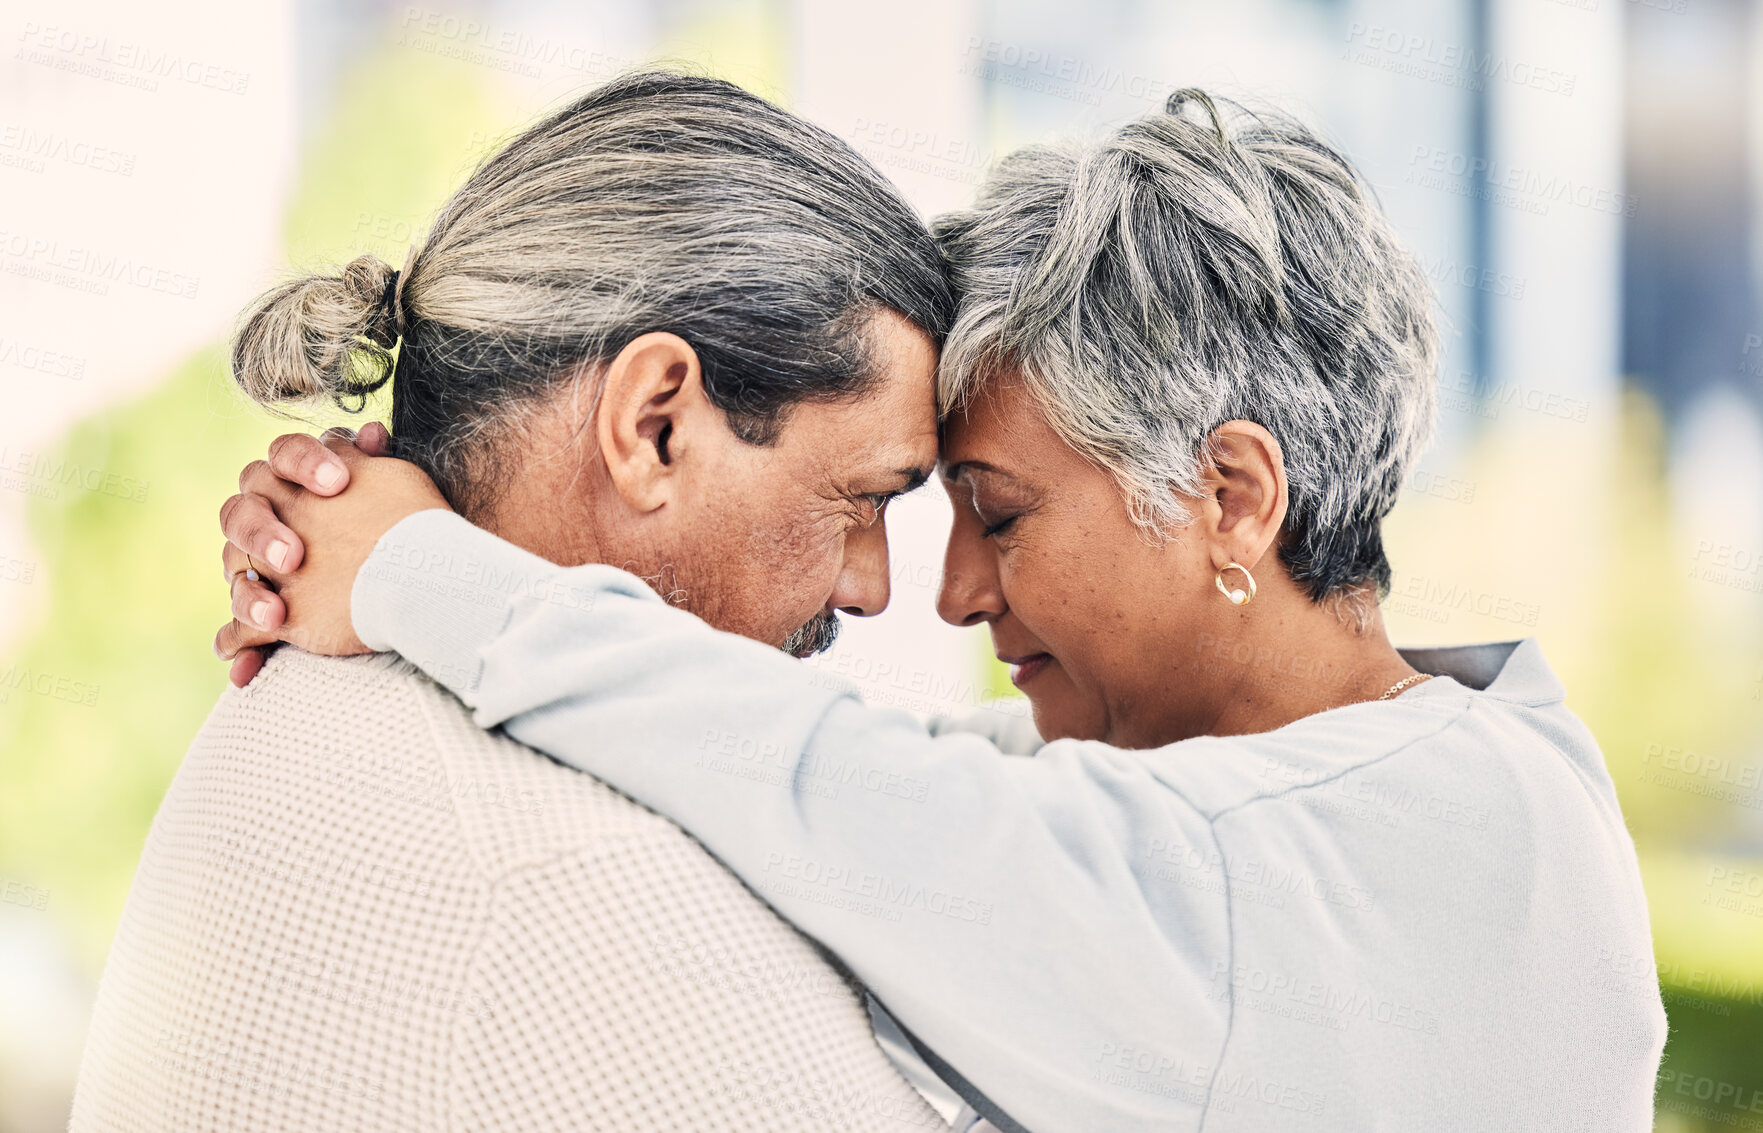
(1025, 670)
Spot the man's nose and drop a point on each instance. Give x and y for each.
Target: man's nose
(862, 588)
(970, 593)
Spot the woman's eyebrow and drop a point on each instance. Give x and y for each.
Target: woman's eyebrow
(955, 472)
(911, 479)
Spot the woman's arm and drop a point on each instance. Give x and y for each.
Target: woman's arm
(1000, 908)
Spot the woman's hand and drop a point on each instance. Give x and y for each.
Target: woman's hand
(307, 538)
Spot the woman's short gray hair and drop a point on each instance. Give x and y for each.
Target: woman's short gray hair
(1192, 270)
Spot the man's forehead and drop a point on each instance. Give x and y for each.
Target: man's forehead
(876, 448)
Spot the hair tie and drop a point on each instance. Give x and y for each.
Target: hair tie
(389, 301)
(393, 299)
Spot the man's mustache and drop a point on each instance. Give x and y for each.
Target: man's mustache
(816, 636)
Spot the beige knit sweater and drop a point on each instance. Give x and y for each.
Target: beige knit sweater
(357, 911)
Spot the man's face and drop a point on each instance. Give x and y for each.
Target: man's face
(769, 541)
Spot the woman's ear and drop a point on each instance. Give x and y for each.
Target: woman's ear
(649, 389)
(1244, 502)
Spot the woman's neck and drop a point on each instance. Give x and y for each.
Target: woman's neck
(1306, 659)
(1260, 667)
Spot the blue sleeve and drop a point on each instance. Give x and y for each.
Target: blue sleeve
(999, 907)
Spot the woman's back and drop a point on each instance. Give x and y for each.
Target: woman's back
(1428, 901)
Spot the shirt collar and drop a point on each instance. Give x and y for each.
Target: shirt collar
(1510, 670)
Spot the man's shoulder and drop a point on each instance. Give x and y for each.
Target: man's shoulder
(378, 729)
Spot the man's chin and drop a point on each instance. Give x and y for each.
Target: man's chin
(817, 636)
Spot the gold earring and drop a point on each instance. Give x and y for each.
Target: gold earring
(1237, 597)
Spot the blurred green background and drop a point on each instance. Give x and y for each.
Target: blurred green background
(1624, 535)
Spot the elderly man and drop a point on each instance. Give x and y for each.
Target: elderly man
(670, 327)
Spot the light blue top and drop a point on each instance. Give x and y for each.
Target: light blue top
(1424, 913)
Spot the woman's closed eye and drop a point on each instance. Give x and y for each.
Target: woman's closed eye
(997, 526)
(995, 518)
(995, 502)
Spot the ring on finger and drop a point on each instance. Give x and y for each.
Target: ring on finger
(249, 572)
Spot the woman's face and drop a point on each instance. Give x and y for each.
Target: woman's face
(1098, 623)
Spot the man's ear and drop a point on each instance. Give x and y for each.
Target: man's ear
(649, 389)
(1244, 504)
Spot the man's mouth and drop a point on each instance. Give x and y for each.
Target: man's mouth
(1024, 669)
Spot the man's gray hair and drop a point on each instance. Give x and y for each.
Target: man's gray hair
(1190, 270)
(657, 202)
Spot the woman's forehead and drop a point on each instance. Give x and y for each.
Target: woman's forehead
(1001, 429)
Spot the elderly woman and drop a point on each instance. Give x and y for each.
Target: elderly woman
(1267, 872)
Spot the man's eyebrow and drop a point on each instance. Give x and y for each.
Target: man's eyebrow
(912, 479)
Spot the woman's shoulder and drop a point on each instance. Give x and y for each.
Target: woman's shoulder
(1492, 722)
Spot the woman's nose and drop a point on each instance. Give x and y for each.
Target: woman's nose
(970, 593)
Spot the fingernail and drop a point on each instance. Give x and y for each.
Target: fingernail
(277, 554)
(260, 614)
(327, 474)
